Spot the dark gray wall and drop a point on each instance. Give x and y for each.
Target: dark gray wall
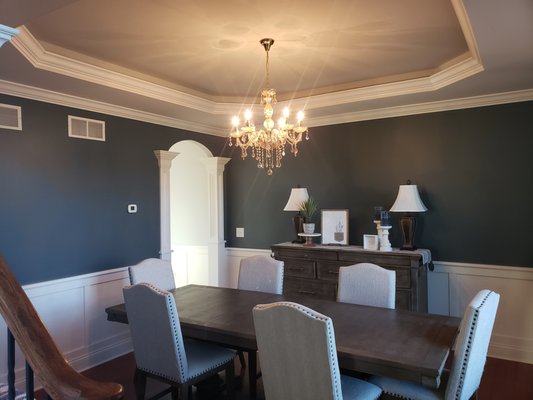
(63, 200)
(473, 168)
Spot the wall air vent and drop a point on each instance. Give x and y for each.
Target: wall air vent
(84, 128)
(10, 117)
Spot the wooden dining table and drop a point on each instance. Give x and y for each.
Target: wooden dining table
(395, 343)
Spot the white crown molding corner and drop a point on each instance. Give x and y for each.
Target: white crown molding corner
(6, 33)
(40, 58)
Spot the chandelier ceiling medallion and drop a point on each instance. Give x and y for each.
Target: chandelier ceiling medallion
(268, 143)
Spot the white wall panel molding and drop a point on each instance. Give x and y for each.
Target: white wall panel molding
(512, 336)
(231, 274)
(73, 311)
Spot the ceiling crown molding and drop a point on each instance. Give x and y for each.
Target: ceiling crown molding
(424, 108)
(455, 70)
(49, 96)
(46, 60)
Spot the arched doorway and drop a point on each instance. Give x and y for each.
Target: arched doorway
(192, 219)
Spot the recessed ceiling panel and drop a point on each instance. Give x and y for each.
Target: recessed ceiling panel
(212, 47)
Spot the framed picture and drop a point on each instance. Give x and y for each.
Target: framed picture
(371, 242)
(335, 227)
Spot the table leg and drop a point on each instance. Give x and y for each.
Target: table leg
(252, 373)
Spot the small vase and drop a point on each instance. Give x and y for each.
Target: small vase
(309, 228)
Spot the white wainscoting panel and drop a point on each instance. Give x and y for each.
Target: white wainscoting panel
(190, 264)
(512, 337)
(73, 310)
(230, 276)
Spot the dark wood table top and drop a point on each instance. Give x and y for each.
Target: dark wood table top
(395, 343)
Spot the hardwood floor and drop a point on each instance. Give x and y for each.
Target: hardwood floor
(502, 380)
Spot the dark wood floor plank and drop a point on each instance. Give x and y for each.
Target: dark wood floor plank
(501, 380)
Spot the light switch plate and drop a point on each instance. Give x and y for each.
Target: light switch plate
(132, 208)
(239, 232)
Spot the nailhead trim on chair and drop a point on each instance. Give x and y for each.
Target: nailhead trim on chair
(468, 347)
(181, 356)
(332, 353)
(175, 332)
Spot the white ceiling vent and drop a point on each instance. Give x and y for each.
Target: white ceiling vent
(84, 128)
(10, 117)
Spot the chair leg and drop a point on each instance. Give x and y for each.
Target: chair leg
(242, 359)
(185, 392)
(139, 381)
(230, 381)
(175, 394)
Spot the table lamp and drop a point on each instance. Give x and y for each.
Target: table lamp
(408, 201)
(297, 196)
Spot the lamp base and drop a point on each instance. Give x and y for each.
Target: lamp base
(298, 221)
(408, 225)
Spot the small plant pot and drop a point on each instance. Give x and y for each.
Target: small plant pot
(309, 228)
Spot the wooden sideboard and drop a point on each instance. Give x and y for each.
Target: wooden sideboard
(315, 270)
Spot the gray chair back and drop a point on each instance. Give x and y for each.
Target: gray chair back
(297, 352)
(367, 284)
(154, 271)
(471, 346)
(261, 274)
(155, 332)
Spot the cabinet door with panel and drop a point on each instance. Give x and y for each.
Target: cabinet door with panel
(315, 270)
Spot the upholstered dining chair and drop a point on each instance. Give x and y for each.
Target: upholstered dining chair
(298, 356)
(367, 284)
(154, 271)
(469, 358)
(59, 380)
(160, 351)
(261, 274)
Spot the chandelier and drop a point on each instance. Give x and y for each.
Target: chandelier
(268, 143)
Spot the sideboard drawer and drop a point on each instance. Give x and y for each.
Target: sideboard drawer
(311, 287)
(309, 254)
(383, 259)
(299, 268)
(327, 271)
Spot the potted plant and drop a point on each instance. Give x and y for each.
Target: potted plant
(308, 208)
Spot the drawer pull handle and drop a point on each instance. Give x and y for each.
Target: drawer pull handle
(333, 272)
(296, 269)
(306, 292)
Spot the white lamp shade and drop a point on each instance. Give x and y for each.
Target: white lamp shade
(408, 200)
(297, 197)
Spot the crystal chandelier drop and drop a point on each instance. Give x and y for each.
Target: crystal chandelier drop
(268, 143)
